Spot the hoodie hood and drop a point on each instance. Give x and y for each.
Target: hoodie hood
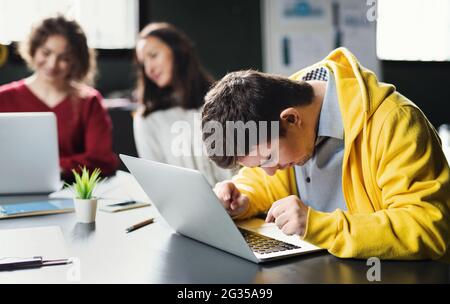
(358, 89)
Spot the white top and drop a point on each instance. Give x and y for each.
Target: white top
(444, 133)
(173, 136)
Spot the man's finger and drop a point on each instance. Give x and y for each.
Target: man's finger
(275, 211)
(269, 218)
(239, 202)
(287, 229)
(230, 191)
(234, 192)
(282, 220)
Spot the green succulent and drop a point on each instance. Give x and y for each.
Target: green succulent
(85, 183)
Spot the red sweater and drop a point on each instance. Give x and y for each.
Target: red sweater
(84, 126)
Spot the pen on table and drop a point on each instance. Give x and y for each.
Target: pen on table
(126, 203)
(25, 263)
(139, 225)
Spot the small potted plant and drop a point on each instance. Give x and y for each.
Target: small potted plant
(83, 188)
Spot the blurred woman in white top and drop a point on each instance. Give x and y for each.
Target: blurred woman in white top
(171, 89)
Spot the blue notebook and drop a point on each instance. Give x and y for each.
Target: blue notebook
(36, 208)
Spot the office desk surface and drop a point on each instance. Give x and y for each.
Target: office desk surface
(155, 254)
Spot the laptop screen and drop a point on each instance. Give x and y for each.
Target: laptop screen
(28, 153)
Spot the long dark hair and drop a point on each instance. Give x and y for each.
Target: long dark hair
(189, 78)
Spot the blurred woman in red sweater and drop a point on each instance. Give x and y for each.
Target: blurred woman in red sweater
(63, 65)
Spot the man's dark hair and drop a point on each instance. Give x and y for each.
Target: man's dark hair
(248, 96)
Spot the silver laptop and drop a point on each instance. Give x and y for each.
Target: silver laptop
(186, 201)
(29, 161)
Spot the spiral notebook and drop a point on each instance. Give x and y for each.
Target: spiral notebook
(42, 207)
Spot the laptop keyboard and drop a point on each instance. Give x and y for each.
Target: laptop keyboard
(263, 244)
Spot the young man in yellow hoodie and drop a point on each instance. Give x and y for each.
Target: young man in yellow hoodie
(358, 169)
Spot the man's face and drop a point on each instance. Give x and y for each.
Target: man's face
(296, 147)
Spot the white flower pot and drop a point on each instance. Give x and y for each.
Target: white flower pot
(85, 210)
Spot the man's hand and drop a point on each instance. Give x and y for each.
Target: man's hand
(232, 200)
(289, 214)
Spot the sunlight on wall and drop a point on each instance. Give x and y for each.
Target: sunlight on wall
(413, 30)
(108, 24)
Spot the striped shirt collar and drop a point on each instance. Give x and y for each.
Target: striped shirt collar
(330, 120)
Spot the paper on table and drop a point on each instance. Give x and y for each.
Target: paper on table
(47, 242)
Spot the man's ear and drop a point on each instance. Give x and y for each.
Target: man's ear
(290, 116)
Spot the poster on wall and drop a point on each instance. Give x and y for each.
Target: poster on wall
(298, 33)
(358, 32)
(304, 12)
(302, 49)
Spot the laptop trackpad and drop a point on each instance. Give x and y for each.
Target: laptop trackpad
(271, 230)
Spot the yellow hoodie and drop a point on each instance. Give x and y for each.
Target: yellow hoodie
(395, 178)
